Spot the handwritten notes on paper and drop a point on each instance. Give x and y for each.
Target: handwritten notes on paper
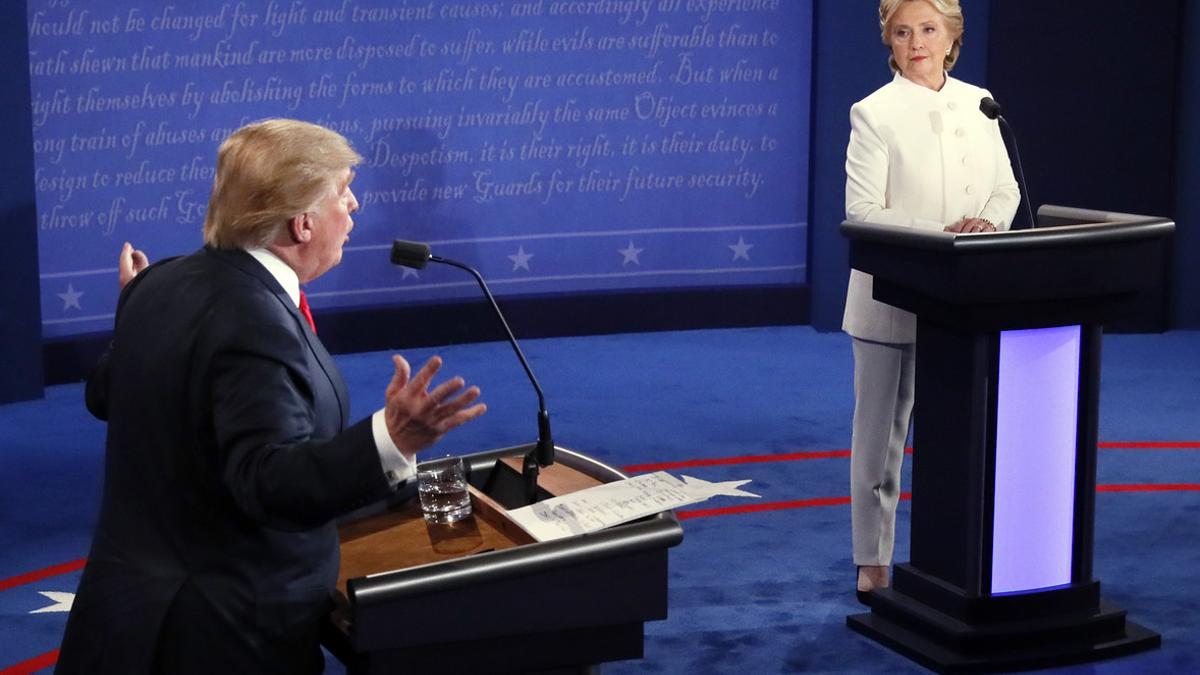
(618, 502)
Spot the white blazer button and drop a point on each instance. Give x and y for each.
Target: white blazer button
(960, 132)
(952, 105)
(966, 160)
(970, 189)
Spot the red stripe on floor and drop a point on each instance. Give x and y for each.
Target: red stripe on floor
(748, 459)
(725, 461)
(839, 454)
(1149, 445)
(841, 501)
(32, 665)
(759, 507)
(769, 506)
(30, 577)
(1151, 487)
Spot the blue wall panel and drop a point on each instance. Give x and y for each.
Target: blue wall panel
(559, 146)
(1092, 96)
(20, 329)
(1186, 284)
(452, 142)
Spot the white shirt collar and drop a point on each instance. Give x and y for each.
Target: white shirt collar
(285, 275)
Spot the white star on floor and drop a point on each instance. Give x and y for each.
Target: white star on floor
(62, 602)
(704, 489)
(409, 272)
(741, 249)
(631, 254)
(71, 298)
(520, 259)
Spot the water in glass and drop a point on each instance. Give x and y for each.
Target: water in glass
(442, 487)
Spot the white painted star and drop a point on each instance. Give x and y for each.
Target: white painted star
(520, 259)
(703, 488)
(631, 254)
(409, 272)
(62, 602)
(71, 298)
(741, 249)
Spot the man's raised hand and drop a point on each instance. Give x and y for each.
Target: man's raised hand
(418, 417)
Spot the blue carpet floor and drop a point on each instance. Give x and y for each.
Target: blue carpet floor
(763, 592)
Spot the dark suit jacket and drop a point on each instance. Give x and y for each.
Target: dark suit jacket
(227, 458)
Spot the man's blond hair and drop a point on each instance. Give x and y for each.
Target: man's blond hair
(267, 173)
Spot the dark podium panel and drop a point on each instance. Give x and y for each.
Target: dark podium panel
(1004, 435)
(481, 596)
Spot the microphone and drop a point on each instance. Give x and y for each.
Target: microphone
(410, 254)
(416, 255)
(991, 109)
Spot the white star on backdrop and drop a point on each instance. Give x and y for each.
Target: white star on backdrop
(520, 259)
(62, 602)
(71, 298)
(741, 249)
(631, 254)
(409, 272)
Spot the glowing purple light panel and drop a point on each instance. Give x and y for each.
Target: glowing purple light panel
(1036, 424)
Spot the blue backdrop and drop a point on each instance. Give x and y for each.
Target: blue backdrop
(20, 322)
(558, 145)
(830, 47)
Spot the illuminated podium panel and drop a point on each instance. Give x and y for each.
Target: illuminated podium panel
(480, 596)
(1004, 435)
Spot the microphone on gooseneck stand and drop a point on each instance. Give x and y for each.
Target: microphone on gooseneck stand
(991, 110)
(416, 255)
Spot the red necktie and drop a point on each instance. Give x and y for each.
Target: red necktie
(307, 312)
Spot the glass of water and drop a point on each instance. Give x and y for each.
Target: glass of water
(442, 487)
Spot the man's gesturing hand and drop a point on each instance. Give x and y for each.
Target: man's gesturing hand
(129, 263)
(416, 417)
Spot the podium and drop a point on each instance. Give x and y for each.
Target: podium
(481, 596)
(1004, 436)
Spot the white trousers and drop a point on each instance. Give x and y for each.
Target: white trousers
(883, 402)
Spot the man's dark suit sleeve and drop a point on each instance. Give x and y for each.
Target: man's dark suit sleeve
(95, 393)
(261, 381)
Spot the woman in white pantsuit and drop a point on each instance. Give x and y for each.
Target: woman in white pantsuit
(921, 154)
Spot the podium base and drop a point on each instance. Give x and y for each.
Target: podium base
(945, 644)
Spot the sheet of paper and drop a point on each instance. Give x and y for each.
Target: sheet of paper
(618, 502)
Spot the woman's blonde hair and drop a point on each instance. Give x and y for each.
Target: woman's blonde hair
(951, 12)
(267, 173)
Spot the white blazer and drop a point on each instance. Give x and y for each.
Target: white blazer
(920, 158)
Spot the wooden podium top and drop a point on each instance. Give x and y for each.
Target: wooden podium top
(400, 538)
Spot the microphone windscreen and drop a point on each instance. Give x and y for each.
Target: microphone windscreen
(989, 107)
(410, 254)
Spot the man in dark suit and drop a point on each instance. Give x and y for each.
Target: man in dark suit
(229, 449)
